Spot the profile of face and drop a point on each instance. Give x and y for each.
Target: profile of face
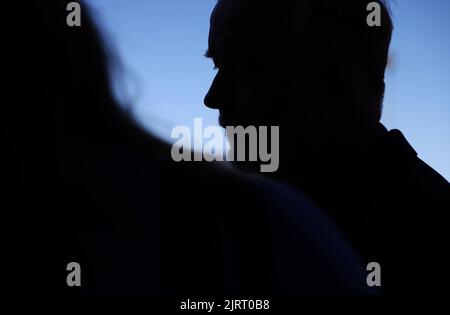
(269, 74)
(249, 86)
(307, 73)
(261, 80)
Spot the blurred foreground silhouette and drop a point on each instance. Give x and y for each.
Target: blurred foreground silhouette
(81, 182)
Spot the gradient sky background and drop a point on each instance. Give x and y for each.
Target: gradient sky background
(162, 42)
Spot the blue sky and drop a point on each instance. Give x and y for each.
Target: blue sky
(162, 42)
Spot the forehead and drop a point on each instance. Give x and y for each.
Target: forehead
(241, 15)
(226, 14)
(247, 24)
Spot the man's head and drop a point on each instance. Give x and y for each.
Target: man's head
(315, 63)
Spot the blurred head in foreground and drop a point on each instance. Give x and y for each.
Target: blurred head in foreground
(83, 183)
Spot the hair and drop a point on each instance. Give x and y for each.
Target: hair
(58, 113)
(58, 80)
(58, 105)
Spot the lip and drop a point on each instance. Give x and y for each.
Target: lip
(225, 120)
(222, 121)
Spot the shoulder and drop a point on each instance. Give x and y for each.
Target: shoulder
(269, 235)
(420, 174)
(419, 194)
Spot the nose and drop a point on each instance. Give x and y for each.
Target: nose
(214, 97)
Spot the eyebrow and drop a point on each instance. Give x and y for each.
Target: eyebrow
(209, 54)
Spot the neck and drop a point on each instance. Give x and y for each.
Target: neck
(328, 160)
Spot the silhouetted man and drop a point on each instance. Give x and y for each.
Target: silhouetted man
(316, 69)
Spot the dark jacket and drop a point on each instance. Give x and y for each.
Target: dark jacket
(393, 208)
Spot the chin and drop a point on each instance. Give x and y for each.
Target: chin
(224, 121)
